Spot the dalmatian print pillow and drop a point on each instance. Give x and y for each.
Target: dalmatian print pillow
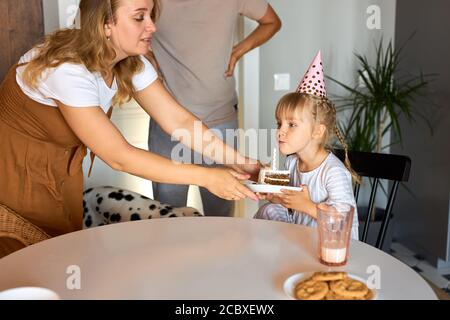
(107, 205)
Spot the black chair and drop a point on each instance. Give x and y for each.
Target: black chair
(377, 166)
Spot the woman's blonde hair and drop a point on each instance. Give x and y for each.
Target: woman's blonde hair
(323, 112)
(88, 46)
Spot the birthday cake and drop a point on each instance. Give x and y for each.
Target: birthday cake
(274, 177)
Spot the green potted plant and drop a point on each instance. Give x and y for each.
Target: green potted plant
(385, 94)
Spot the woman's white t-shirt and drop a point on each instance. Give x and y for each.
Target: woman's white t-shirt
(75, 86)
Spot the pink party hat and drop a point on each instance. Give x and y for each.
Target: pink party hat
(312, 82)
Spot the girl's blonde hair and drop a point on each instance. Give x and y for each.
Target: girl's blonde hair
(323, 112)
(88, 46)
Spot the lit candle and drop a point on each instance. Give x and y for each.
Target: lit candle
(274, 160)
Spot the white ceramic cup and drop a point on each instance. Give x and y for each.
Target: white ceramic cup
(29, 293)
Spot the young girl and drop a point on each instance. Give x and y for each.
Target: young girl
(306, 124)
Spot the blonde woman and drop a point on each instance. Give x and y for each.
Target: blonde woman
(54, 104)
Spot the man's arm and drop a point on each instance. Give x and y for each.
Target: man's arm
(269, 24)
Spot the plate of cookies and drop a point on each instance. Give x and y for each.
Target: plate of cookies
(328, 286)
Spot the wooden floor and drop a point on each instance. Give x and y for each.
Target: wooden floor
(441, 294)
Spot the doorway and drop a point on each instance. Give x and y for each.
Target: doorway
(21, 27)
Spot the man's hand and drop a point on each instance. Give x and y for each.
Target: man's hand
(236, 54)
(268, 25)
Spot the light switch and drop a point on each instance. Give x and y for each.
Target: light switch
(282, 81)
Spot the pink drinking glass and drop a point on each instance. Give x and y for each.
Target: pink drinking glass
(334, 223)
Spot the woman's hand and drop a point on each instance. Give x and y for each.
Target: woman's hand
(250, 166)
(224, 183)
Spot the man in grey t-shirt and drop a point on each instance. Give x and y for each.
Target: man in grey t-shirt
(194, 49)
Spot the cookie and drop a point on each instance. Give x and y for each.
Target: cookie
(329, 276)
(331, 295)
(311, 290)
(349, 288)
(370, 295)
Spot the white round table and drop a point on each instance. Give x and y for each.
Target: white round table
(192, 258)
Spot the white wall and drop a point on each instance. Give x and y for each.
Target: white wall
(51, 15)
(337, 28)
(59, 14)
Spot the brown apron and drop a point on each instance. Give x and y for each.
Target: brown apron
(41, 176)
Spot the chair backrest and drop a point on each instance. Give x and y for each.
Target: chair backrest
(15, 227)
(376, 167)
